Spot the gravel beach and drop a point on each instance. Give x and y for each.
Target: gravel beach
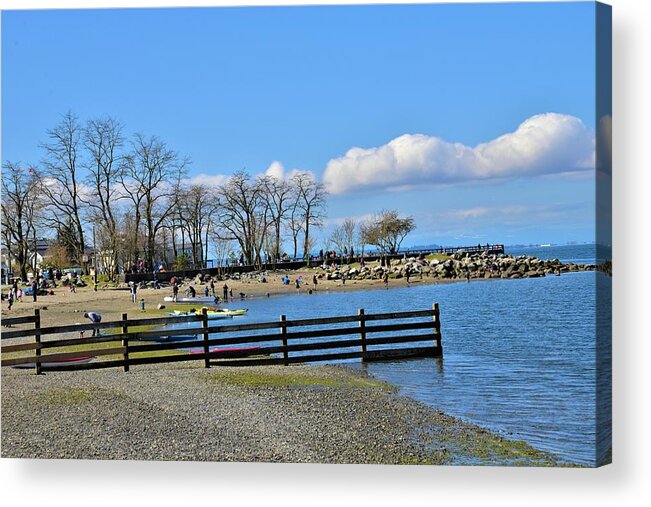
(298, 414)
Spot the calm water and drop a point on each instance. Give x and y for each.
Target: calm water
(520, 356)
(579, 254)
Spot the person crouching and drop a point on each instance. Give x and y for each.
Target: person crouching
(95, 318)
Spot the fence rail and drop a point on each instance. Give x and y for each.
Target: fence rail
(281, 342)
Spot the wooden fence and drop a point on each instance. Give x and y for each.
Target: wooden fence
(281, 342)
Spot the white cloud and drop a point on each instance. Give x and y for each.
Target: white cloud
(277, 170)
(510, 214)
(209, 180)
(548, 143)
(467, 213)
(335, 221)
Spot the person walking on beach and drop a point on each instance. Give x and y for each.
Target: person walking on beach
(34, 289)
(10, 298)
(314, 281)
(407, 275)
(225, 293)
(175, 291)
(95, 318)
(134, 292)
(212, 288)
(385, 279)
(18, 292)
(298, 285)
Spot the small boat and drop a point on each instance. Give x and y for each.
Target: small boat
(233, 313)
(197, 300)
(212, 314)
(60, 362)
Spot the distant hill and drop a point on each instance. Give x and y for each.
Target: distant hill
(432, 246)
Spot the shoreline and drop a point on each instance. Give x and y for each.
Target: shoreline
(294, 414)
(65, 308)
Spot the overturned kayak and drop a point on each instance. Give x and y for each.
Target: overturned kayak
(170, 338)
(214, 350)
(60, 362)
(198, 300)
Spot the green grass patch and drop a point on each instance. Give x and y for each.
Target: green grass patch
(437, 256)
(293, 379)
(483, 447)
(68, 397)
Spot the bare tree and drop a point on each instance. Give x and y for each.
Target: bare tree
(311, 201)
(20, 199)
(223, 249)
(278, 194)
(387, 230)
(294, 223)
(151, 178)
(343, 236)
(194, 209)
(103, 141)
(244, 215)
(338, 238)
(60, 182)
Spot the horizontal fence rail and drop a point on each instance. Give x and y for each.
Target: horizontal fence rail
(369, 337)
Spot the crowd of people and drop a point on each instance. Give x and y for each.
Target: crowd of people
(43, 284)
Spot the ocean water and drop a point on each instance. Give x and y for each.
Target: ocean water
(578, 254)
(520, 356)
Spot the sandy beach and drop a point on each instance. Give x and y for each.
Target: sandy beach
(65, 307)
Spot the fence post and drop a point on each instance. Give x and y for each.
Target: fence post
(125, 341)
(37, 338)
(437, 327)
(283, 332)
(204, 325)
(362, 330)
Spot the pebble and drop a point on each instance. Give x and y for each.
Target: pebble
(176, 412)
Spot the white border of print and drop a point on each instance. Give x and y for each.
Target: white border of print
(72, 483)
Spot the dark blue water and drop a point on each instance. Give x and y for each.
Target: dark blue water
(520, 356)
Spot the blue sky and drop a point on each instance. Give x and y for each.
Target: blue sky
(241, 88)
